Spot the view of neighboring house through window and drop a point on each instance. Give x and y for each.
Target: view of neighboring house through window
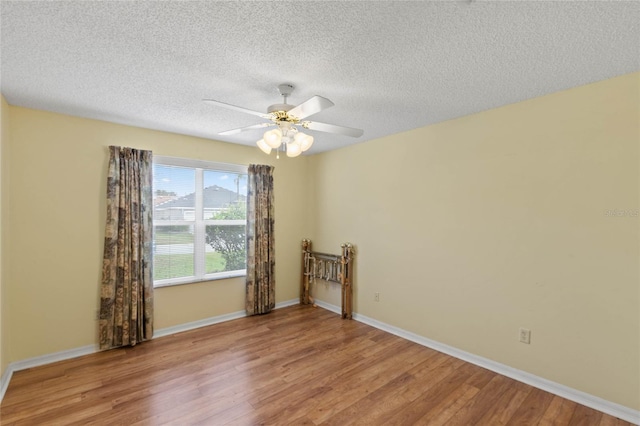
(199, 220)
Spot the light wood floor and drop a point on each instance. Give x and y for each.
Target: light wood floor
(297, 365)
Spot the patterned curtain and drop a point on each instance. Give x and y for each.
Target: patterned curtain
(261, 257)
(126, 293)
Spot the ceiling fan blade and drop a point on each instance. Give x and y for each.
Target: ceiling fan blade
(332, 128)
(236, 108)
(242, 129)
(310, 107)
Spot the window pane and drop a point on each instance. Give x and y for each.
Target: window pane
(173, 193)
(224, 198)
(172, 251)
(225, 248)
(224, 195)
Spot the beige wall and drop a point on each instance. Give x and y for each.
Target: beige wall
(472, 228)
(57, 214)
(4, 198)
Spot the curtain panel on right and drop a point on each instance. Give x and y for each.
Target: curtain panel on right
(261, 258)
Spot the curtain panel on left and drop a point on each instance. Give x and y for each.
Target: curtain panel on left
(126, 293)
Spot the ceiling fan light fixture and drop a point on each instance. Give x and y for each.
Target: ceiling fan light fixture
(304, 140)
(263, 146)
(293, 149)
(298, 138)
(273, 138)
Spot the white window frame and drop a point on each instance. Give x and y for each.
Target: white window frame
(200, 223)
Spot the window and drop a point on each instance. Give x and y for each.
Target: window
(199, 220)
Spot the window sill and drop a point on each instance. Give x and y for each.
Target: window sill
(193, 280)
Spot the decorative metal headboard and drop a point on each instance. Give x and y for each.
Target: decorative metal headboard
(337, 268)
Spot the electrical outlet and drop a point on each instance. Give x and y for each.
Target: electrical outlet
(525, 335)
(376, 297)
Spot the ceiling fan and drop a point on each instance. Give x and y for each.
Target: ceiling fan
(287, 118)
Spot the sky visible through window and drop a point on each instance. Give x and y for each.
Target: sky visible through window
(181, 180)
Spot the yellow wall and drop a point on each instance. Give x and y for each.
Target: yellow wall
(472, 228)
(4, 169)
(57, 214)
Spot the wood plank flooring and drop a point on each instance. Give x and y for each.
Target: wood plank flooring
(298, 365)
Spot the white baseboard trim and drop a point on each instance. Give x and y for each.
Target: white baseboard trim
(591, 401)
(4, 381)
(197, 324)
(329, 307)
(86, 350)
(213, 320)
(54, 357)
(286, 303)
(42, 360)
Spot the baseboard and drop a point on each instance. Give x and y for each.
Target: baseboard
(42, 360)
(591, 401)
(286, 303)
(197, 324)
(329, 307)
(213, 320)
(4, 381)
(86, 350)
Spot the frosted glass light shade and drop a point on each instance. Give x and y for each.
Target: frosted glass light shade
(273, 138)
(264, 147)
(298, 138)
(306, 142)
(293, 149)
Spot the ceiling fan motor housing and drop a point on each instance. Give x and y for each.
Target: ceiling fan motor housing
(285, 90)
(279, 107)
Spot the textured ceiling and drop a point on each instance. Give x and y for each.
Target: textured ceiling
(387, 66)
